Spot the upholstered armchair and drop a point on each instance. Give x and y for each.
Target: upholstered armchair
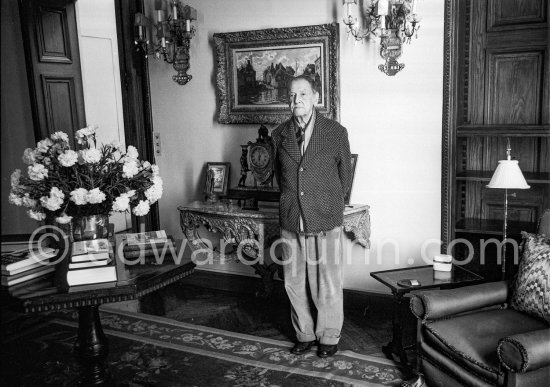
(493, 334)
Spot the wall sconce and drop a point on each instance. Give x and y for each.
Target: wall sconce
(173, 36)
(393, 21)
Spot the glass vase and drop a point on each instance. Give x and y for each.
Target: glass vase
(90, 227)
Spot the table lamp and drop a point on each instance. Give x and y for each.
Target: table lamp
(507, 176)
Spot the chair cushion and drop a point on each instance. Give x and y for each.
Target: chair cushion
(472, 339)
(531, 289)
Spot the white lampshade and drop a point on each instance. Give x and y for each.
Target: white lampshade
(508, 175)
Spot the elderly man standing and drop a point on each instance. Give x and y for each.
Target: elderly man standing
(313, 164)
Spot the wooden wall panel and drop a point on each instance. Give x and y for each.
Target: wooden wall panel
(526, 206)
(53, 42)
(524, 150)
(544, 165)
(514, 81)
(61, 112)
(474, 153)
(476, 61)
(504, 14)
(473, 199)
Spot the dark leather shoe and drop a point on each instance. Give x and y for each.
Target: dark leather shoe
(326, 350)
(302, 347)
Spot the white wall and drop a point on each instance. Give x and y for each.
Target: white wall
(394, 124)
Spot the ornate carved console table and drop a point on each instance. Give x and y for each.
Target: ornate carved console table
(249, 234)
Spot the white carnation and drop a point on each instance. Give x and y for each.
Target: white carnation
(87, 131)
(57, 193)
(91, 156)
(29, 156)
(130, 193)
(96, 196)
(83, 134)
(60, 136)
(79, 196)
(37, 172)
(54, 201)
(63, 219)
(155, 169)
(132, 152)
(130, 169)
(44, 145)
(15, 199)
(154, 192)
(142, 208)
(15, 177)
(121, 203)
(28, 201)
(49, 203)
(68, 158)
(36, 215)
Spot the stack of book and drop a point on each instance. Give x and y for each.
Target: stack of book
(23, 265)
(151, 247)
(40, 286)
(91, 262)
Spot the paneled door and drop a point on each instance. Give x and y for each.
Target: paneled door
(53, 65)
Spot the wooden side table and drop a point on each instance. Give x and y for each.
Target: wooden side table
(425, 275)
(91, 346)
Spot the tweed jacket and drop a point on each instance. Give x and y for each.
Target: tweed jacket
(312, 186)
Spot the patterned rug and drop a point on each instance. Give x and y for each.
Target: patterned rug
(154, 351)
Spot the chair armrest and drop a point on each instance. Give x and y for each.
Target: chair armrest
(525, 351)
(436, 304)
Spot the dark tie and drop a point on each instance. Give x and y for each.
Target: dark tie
(300, 137)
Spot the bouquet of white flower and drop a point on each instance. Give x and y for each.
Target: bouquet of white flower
(63, 183)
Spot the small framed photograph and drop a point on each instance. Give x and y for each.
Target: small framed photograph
(217, 178)
(347, 196)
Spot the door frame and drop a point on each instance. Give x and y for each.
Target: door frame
(136, 98)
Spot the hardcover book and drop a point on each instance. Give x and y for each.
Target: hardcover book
(84, 264)
(146, 238)
(23, 258)
(91, 275)
(23, 269)
(26, 276)
(166, 255)
(91, 257)
(92, 246)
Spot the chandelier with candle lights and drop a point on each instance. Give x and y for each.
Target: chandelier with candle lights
(172, 38)
(393, 21)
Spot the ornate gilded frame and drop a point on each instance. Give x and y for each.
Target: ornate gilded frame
(229, 45)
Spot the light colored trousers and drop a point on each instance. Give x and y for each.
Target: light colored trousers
(313, 266)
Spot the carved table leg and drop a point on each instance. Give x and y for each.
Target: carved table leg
(267, 273)
(91, 347)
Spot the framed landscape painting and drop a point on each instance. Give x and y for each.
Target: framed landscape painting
(254, 69)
